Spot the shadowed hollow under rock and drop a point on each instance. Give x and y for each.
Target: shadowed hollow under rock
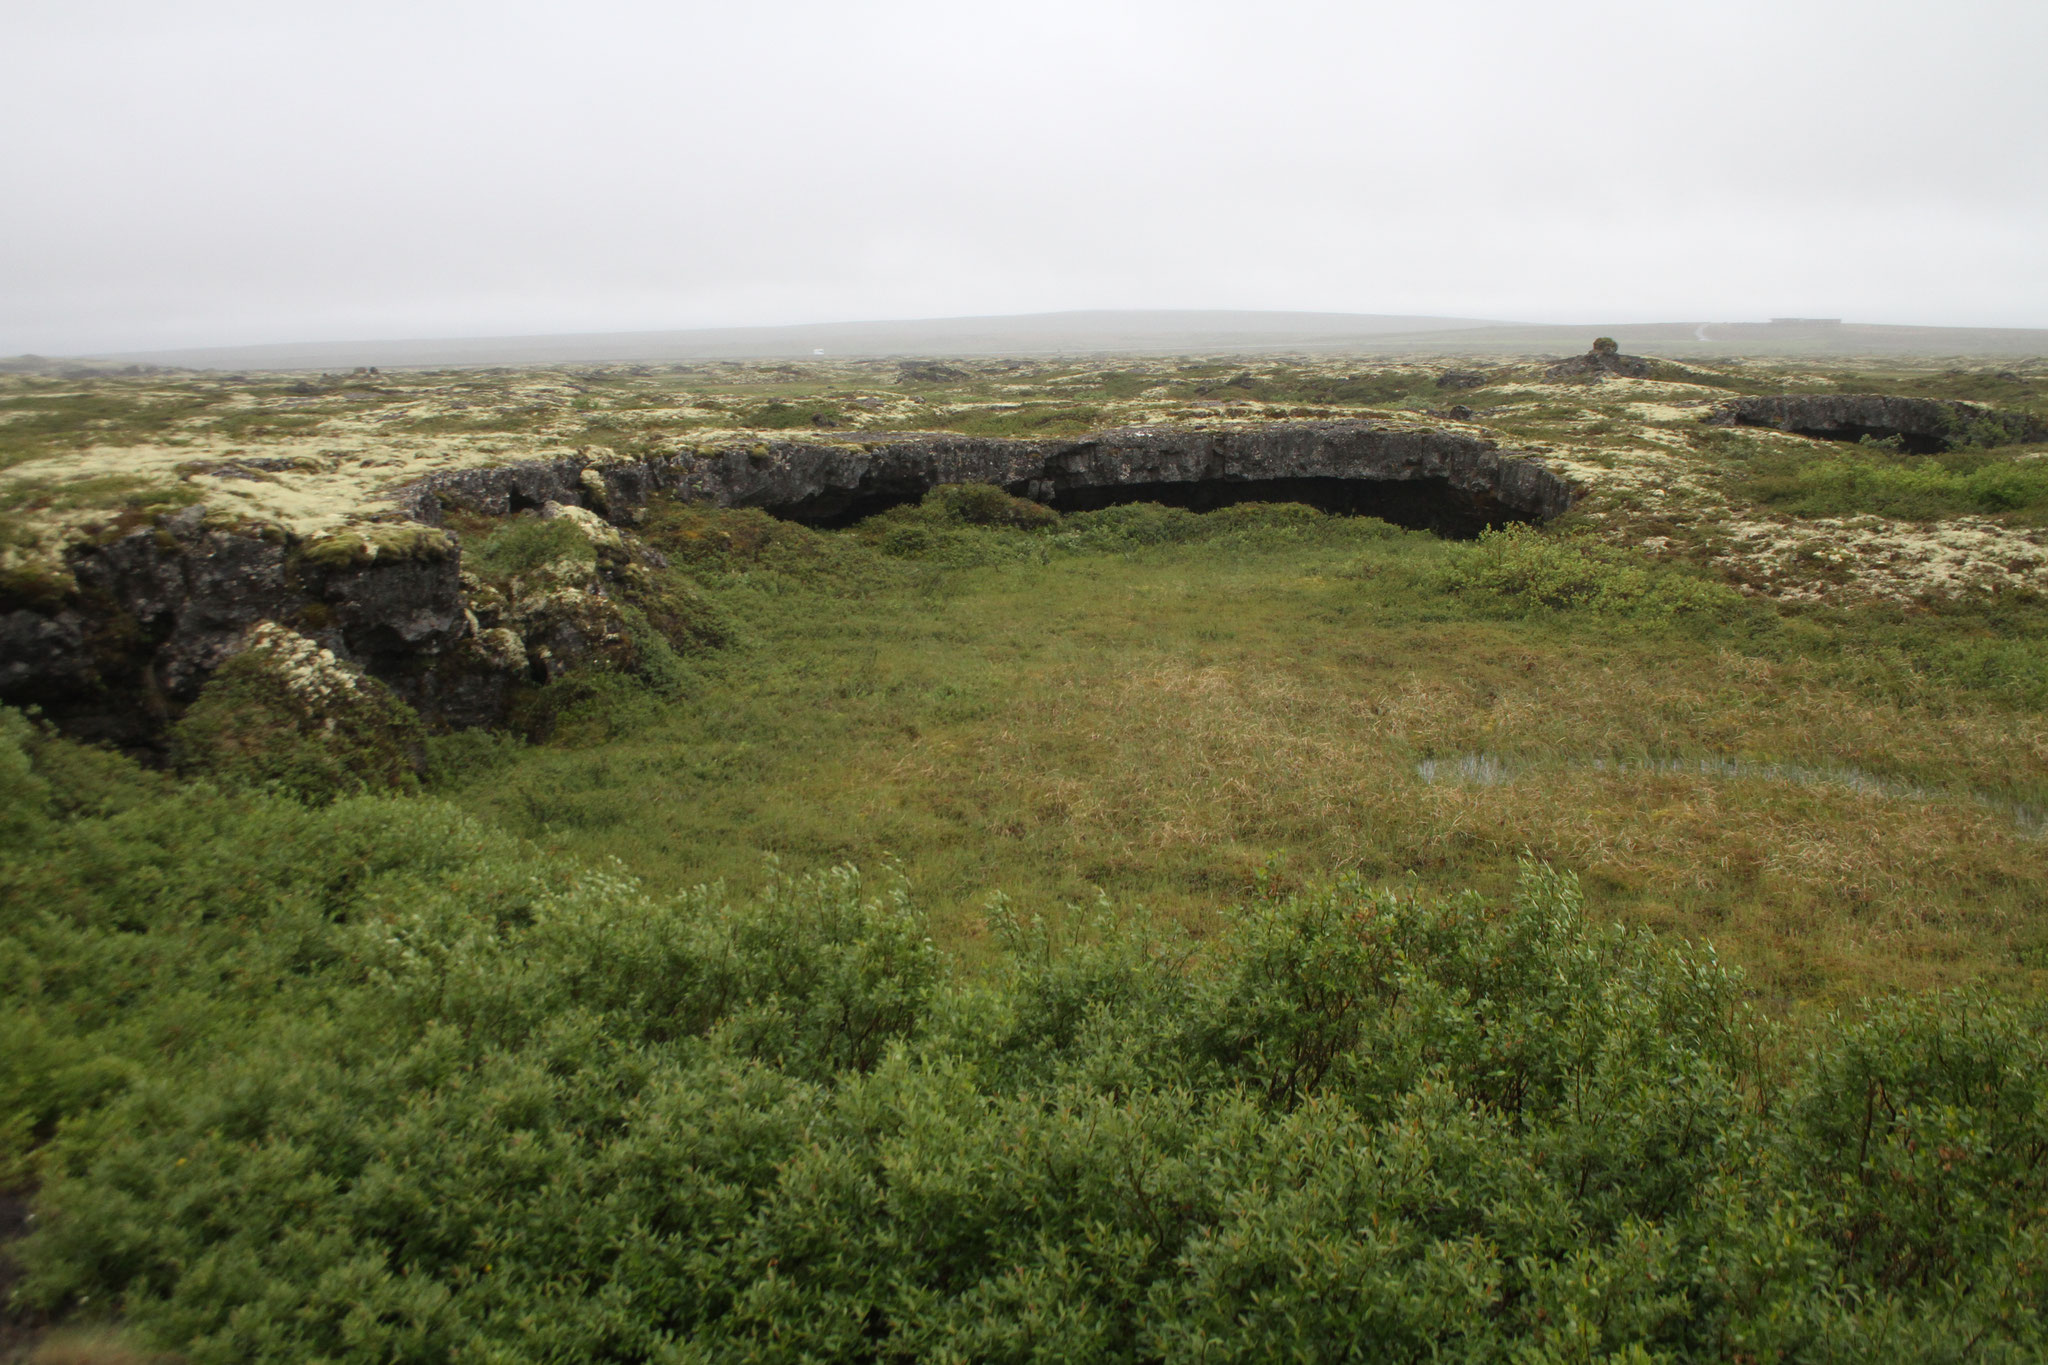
(1453, 482)
(1920, 426)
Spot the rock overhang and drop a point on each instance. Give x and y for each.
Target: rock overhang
(150, 614)
(1917, 426)
(1442, 478)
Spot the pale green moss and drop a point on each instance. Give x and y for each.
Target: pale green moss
(33, 577)
(356, 546)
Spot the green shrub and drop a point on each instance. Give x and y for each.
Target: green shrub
(524, 544)
(1984, 429)
(1130, 526)
(374, 1081)
(1531, 571)
(24, 794)
(961, 526)
(984, 504)
(1921, 488)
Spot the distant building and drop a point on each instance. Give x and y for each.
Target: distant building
(817, 350)
(1806, 322)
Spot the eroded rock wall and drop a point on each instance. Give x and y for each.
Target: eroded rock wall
(1918, 425)
(125, 647)
(152, 613)
(830, 483)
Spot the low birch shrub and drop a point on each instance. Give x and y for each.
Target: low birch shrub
(373, 1081)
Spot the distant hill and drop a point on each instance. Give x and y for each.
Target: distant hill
(1704, 340)
(1107, 332)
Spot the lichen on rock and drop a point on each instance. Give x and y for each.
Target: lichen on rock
(594, 528)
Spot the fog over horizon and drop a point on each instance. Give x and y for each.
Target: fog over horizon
(227, 173)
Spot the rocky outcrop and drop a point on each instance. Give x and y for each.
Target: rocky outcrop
(146, 617)
(1920, 426)
(124, 645)
(1604, 359)
(1451, 481)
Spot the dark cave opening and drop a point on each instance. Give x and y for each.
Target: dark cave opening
(834, 509)
(1910, 442)
(1419, 504)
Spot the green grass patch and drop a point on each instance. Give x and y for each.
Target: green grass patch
(131, 492)
(1023, 420)
(523, 544)
(1870, 481)
(1530, 571)
(1155, 704)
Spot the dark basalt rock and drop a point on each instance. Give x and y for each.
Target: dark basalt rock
(154, 612)
(1919, 426)
(157, 610)
(1595, 363)
(1450, 481)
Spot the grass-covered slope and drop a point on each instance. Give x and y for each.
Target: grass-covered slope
(373, 1081)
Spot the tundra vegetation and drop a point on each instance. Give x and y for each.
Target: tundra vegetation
(1276, 934)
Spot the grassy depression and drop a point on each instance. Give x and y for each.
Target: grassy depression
(1064, 715)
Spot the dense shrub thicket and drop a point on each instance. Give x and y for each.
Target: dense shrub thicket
(370, 1081)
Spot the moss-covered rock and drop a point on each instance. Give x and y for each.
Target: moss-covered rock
(356, 546)
(577, 593)
(570, 626)
(601, 534)
(286, 713)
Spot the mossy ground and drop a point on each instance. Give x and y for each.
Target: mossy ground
(317, 455)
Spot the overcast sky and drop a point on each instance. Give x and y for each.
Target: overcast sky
(194, 172)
